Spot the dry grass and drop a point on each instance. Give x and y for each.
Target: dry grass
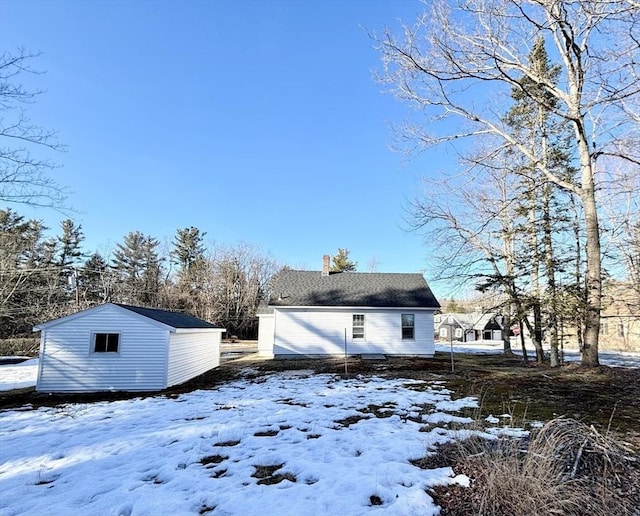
(24, 347)
(565, 468)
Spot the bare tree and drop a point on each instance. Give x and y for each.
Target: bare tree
(239, 278)
(455, 55)
(24, 177)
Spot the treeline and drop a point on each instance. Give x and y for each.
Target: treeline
(45, 277)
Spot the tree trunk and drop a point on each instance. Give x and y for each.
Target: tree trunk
(525, 357)
(550, 265)
(506, 331)
(535, 331)
(594, 267)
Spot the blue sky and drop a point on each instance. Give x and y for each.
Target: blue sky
(255, 121)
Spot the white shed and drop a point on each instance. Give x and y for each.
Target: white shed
(114, 347)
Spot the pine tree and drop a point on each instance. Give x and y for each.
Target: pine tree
(188, 253)
(69, 243)
(532, 119)
(342, 263)
(138, 266)
(25, 265)
(94, 280)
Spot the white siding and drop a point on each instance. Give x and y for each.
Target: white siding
(68, 363)
(321, 331)
(265, 335)
(192, 353)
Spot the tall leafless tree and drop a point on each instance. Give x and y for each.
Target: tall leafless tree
(461, 60)
(24, 146)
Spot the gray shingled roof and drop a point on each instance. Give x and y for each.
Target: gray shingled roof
(173, 319)
(372, 289)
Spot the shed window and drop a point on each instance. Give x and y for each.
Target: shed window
(106, 342)
(358, 326)
(408, 326)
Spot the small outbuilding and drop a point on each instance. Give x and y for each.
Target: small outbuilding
(115, 347)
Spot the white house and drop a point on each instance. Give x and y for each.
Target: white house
(318, 313)
(124, 348)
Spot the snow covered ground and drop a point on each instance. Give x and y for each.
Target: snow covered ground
(16, 376)
(282, 444)
(336, 444)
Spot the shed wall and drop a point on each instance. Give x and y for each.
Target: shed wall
(191, 354)
(68, 363)
(322, 332)
(265, 335)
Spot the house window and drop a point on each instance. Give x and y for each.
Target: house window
(620, 330)
(604, 328)
(408, 326)
(106, 342)
(358, 326)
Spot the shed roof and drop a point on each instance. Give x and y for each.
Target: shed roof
(173, 319)
(176, 320)
(363, 289)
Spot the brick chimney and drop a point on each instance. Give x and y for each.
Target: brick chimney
(325, 264)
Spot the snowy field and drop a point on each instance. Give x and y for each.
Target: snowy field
(283, 444)
(17, 376)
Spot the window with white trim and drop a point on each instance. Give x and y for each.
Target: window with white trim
(106, 342)
(358, 326)
(408, 326)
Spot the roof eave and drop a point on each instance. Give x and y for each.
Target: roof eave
(358, 307)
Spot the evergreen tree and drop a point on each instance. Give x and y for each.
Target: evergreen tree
(188, 253)
(94, 280)
(532, 119)
(69, 243)
(24, 266)
(138, 268)
(342, 263)
(151, 272)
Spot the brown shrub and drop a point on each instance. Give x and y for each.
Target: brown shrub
(566, 468)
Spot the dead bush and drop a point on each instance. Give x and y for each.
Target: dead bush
(564, 468)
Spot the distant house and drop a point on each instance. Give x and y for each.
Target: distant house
(320, 313)
(124, 348)
(470, 327)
